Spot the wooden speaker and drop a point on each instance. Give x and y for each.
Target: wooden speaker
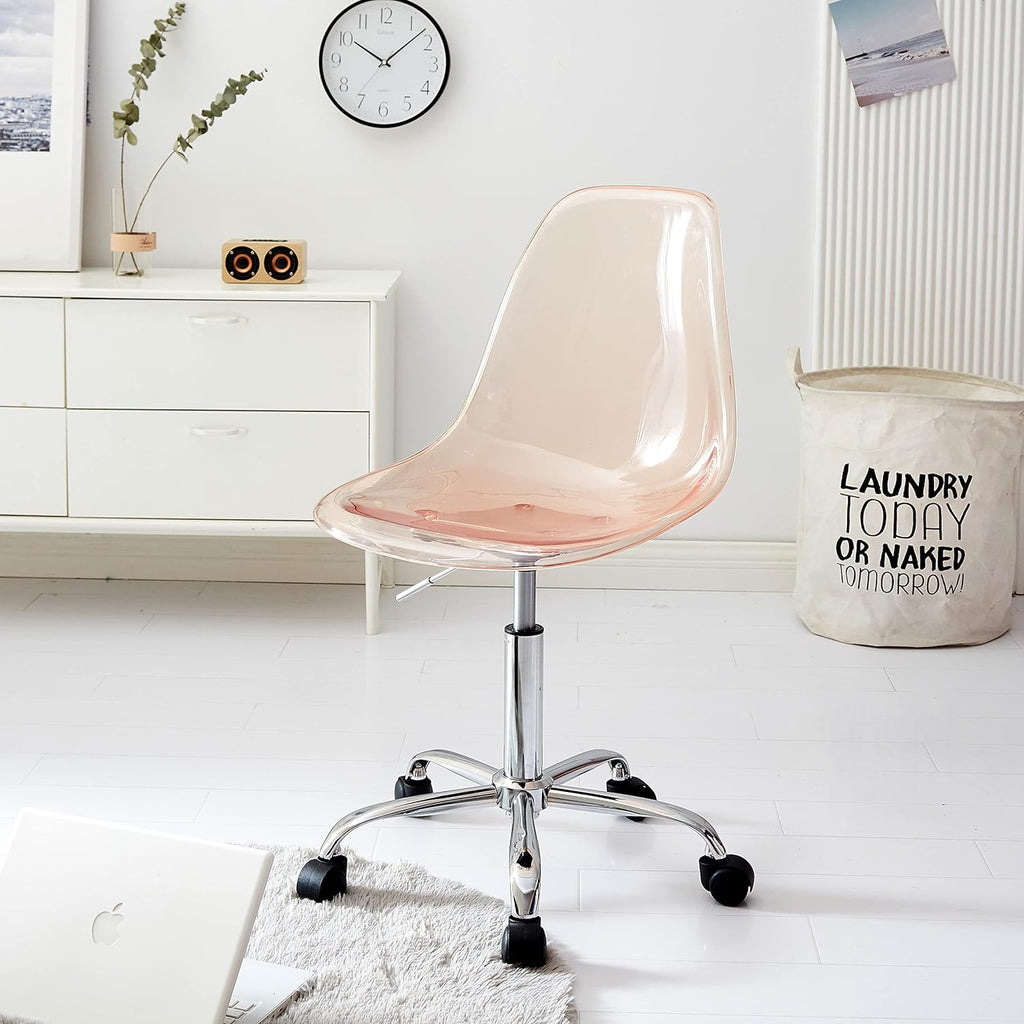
(263, 261)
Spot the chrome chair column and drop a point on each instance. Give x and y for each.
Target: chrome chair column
(523, 759)
(522, 787)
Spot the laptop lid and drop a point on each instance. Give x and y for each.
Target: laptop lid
(106, 924)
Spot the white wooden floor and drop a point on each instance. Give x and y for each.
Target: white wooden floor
(879, 794)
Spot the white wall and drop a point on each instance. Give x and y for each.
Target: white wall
(544, 97)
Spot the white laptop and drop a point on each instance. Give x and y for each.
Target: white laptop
(105, 924)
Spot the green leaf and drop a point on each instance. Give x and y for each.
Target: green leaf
(147, 48)
(119, 129)
(132, 140)
(198, 122)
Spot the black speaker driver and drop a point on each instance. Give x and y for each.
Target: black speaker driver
(281, 262)
(242, 263)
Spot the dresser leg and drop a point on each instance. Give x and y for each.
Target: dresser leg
(372, 594)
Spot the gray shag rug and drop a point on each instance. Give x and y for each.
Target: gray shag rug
(402, 947)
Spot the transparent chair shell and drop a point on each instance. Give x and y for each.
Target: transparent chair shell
(603, 413)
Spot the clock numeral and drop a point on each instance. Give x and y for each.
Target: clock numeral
(382, 110)
(435, 65)
(428, 42)
(362, 96)
(343, 84)
(407, 103)
(336, 59)
(426, 86)
(411, 25)
(346, 38)
(385, 15)
(364, 20)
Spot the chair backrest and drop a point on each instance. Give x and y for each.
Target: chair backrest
(610, 350)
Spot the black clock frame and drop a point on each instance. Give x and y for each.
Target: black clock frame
(393, 124)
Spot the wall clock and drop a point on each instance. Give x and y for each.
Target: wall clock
(384, 62)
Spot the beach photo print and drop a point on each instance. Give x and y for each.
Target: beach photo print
(892, 47)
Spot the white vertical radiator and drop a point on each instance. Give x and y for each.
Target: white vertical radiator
(921, 226)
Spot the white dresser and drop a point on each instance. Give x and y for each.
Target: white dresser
(176, 404)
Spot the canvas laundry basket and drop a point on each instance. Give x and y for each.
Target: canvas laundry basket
(907, 532)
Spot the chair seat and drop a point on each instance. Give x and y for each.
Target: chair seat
(444, 508)
(603, 411)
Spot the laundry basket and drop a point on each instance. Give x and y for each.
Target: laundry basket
(907, 531)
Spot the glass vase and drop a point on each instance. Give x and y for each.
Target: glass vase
(131, 239)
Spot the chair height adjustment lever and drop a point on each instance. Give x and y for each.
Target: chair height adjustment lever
(430, 581)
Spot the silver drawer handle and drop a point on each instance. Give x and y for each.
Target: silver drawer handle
(219, 431)
(219, 320)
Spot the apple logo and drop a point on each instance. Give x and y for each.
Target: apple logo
(105, 927)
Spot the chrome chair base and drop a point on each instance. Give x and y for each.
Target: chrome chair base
(727, 877)
(522, 788)
(518, 795)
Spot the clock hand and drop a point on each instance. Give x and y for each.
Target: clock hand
(403, 46)
(370, 79)
(383, 61)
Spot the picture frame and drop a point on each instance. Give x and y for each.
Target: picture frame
(43, 67)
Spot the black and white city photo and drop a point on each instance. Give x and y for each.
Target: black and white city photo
(26, 75)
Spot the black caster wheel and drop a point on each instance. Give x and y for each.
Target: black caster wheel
(728, 880)
(412, 787)
(631, 787)
(321, 880)
(524, 943)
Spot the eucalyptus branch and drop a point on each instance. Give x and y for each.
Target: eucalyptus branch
(150, 49)
(202, 123)
(128, 114)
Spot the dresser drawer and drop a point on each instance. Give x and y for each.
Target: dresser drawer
(210, 465)
(33, 462)
(32, 352)
(224, 354)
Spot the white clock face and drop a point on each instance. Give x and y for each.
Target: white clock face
(384, 62)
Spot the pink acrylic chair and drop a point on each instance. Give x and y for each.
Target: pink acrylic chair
(602, 415)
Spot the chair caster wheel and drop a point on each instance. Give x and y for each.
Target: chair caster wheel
(631, 787)
(728, 880)
(412, 787)
(523, 942)
(321, 880)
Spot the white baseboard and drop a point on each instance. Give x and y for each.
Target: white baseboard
(661, 564)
